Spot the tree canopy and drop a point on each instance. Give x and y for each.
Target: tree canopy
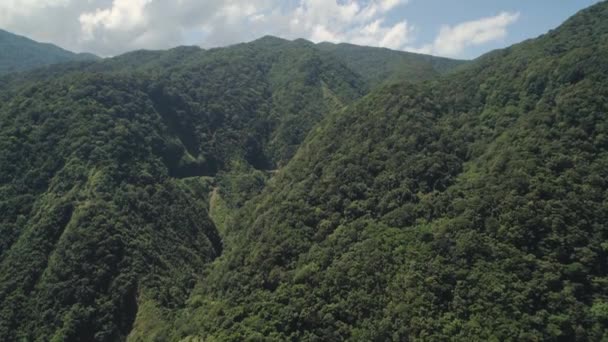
(281, 190)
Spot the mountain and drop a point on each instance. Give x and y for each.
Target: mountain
(380, 65)
(19, 53)
(105, 171)
(468, 208)
(282, 190)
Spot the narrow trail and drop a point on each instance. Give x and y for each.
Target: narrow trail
(213, 199)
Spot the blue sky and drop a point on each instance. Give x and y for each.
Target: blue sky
(459, 29)
(535, 17)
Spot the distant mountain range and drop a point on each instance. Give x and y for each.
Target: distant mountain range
(19, 53)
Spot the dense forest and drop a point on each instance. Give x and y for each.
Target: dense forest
(289, 191)
(106, 169)
(469, 208)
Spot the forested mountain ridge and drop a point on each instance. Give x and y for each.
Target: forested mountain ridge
(380, 65)
(106, 166)
(468, 208)
(140, 200)
(105, 170)
(19, 53)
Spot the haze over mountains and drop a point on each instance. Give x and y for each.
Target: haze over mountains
(19, 53)
(285, 190)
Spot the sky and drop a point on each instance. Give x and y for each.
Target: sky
(450, 28)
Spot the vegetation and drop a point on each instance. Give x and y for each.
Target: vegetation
(379, 65)
(18, 53)
(469, 208)
(261, 192)
(105, 170)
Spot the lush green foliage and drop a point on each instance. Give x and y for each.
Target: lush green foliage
(471, 208)
(19, 54)
(91, 221)
(250, 193)
(104, 175)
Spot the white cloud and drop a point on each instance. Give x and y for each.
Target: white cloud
(353, 22)
(375, 33)
(124, 15)
(317, 20)
(452, 41)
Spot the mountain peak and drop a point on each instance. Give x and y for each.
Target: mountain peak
(269, 39)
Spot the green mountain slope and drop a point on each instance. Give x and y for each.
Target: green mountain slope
(105, 170)
(378, 65)
(91, 221)
(470, 208)
(258, 192)
(19, 53)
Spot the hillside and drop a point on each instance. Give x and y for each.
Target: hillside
(470, 208)
(19, 53)
(105, 169)
(289, 191)
(379, 65)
